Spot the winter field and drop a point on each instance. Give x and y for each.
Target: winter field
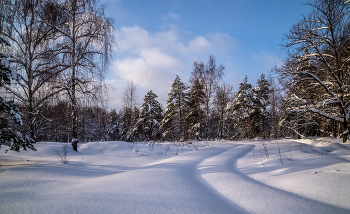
(222, 177)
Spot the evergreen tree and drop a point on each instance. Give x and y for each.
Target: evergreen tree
(195, 112)
(10, 115)
(239, 111)
(175, 113)
(150, 117)
(260, 102)
(113, 127)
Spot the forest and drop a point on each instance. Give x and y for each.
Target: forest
(55, 56)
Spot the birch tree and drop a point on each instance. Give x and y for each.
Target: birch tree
(87, 36)
(209, 76)
(9, 113)
(223, 95)
(35, 57)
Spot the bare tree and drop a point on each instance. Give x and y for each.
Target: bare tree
(209, 76)
(223, 95)
(130, 95)
(34, 54)
(274, 99)
(318, 63)
(87, 36)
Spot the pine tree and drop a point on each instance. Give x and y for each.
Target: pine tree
(113, 127)
(239, 111)
(150, 117)
(10, 115)
(195, 112)
(260, 102)
(175, 113)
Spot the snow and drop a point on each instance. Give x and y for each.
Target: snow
(4, 62)
(225, 177)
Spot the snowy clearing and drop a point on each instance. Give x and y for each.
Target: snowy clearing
(222, 177)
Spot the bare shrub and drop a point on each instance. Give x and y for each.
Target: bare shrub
(132, 146)
(195, 145)
(62, 152)
(167, 149)
(264, 144)
(151, 145)
(261, 158)
(289, 148)
(280, 153)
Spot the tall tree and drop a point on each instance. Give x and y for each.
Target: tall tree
(275, 100)
(130, 111)
(195, 114)
(175, 113)
(209, 76)
(35, 56)
(150, 118)
(113, 129)
(223, 96)
(259, 118)
(240, 111)
(319, 61)
(9, 113)
(130, 95)
(87, 36)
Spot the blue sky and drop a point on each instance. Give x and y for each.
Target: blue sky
(159, 39)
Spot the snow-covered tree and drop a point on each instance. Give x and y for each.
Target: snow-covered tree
(128, 117)
(87, 37)
(275, 106)
(195, 114)
(209, 76)
(9, 113)
(319, 63)
(240, 111)
(150, 117)
(175, 113)
(113, 128)
(223, 95)
(259, 116)
(35, 56)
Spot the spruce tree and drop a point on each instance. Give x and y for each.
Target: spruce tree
(10, 115)
(239, 111)
(195, 112)
(175, 113)
(150, 117)
(260, 102)
(113, 127)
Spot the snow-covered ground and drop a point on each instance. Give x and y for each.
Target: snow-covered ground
(222, 177)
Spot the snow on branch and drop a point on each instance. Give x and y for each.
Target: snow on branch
(318, 80)
(320, 28)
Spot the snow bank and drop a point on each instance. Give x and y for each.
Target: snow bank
(119, 177)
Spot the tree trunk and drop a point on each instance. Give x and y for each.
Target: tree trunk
(345, 135)
(72, 90)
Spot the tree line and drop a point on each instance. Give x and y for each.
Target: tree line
(61, 49)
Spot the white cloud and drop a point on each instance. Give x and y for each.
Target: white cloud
(171, 16)
(153, 60)
(268, 60)
(174, 16)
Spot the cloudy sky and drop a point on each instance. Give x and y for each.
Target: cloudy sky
(159, 39)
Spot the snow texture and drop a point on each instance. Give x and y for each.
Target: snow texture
(106, 177)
